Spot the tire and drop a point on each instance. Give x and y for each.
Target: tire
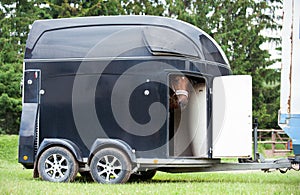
(110, 165)
(143, 175)
(57, 164)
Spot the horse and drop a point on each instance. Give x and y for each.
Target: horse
(179, 93)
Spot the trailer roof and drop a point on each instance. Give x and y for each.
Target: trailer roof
(195, 34)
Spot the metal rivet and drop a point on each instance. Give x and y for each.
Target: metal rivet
(146, 92)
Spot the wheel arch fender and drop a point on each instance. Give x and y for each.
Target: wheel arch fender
(102, 143)
(50, 142)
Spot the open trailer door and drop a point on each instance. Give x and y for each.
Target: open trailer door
(232, 116)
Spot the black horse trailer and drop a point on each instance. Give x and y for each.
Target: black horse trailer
(124, 96)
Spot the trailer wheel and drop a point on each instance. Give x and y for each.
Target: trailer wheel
(143, 175)
(57, 164)
(110, 165)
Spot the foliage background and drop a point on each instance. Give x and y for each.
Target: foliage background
(237, 25)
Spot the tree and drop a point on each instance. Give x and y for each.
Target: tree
(16, 16)
(144, 7)
(76, 8)
(102, 8)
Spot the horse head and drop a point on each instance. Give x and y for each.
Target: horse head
(179, 96)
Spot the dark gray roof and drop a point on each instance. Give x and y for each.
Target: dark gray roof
(41, 26)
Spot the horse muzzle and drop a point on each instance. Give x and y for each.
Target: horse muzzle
(183, 100)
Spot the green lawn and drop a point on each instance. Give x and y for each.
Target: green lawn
(16, 180)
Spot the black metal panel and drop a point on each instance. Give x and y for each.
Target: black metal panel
(209, 50)
(29, 125)
(31, 86)
(138, 107)
(60, 44)
(27, 133)
(57, 119)
(217, 69)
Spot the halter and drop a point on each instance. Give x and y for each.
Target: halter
(182, 92)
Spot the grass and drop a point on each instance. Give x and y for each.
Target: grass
(16, 180)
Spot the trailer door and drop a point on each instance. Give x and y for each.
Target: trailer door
(32, 86)
(232, 116)
(29, 127)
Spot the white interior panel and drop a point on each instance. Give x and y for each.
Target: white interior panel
(197, 121)
(190, 137)
(232, 116)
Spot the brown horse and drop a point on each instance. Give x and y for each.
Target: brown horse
(179, 95)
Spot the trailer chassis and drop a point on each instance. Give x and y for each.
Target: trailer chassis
(258, 162)
(204, 165)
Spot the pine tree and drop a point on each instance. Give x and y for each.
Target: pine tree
(16, 17)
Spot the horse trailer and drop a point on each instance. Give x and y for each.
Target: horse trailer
(120, 97)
